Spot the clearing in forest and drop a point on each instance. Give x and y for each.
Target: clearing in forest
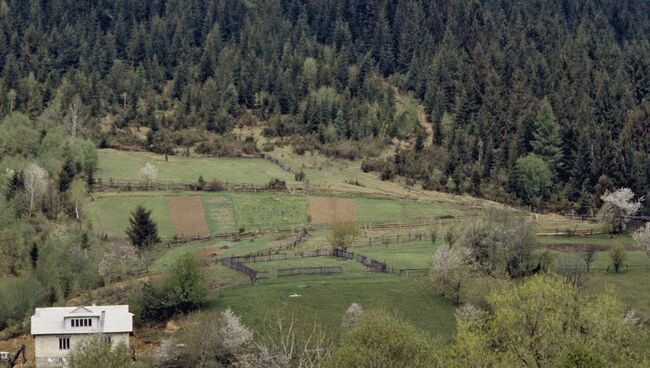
(328, 210)
(188, 216)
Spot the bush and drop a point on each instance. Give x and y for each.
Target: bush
(381, 340)
(94, 352)
(617, 255)
(300, 176)
(268, 147)
(276, 184)
(183, 290)
(215, 185)
(343, 234)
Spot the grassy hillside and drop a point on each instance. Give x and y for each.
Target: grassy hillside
(125, 165)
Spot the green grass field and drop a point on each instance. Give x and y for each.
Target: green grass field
(125, 166)
(324, 300)
(229, 211)
(110, 214)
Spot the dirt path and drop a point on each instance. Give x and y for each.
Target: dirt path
(188, 216)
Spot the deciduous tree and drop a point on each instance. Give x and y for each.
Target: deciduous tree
(617, 207)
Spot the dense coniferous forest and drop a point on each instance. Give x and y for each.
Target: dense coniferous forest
(541, 103)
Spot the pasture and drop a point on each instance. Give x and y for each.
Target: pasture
(122, 165)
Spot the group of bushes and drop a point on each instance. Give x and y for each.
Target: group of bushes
(182, 290)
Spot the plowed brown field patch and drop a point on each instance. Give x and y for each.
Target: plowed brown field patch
(328, 210)
(188, 216)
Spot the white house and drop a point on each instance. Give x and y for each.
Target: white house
(57, 330)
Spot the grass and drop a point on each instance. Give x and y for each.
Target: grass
(324, 300)
(377, 210)
(110, 215)
(125, 166)
(407, 255)
(348, 266)
(601, 240)
(229, 211)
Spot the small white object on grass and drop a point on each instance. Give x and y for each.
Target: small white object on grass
(294, 295)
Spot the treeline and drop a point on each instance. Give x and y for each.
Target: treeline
(540, 102)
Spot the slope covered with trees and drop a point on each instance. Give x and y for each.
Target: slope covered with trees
(541, 102)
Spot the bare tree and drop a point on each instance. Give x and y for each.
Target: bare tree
(642, 238)
(148, 173)
(588, 256)
(449, 270)
(573, 269)
(281, 347)
(11, 96)
(36, 183)
(75, 115)
(617, 207)
(451, 236)
(352, 316)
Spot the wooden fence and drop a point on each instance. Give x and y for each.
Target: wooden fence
(318, 270)
(371, 264)
(102, 185)
(610, 268)
(413, 272)
(253, 274)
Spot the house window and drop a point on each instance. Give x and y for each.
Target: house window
(81, 322)
(107, 339)
(64, 343)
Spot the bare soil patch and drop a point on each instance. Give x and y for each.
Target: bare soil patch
(188, 216)
(329, 210)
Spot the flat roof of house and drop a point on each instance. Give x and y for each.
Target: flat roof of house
(50, 321)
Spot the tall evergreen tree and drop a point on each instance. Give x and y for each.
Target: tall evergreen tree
(547, 142)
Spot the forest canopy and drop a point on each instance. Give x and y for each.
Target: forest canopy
(512, 89)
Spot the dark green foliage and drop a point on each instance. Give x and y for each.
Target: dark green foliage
(142, 231)
(183, 290)
(567, 81)
(380, 339)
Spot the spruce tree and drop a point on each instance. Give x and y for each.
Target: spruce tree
(142, 231)
(547, 142)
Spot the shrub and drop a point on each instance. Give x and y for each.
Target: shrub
(276, 184)
(300, 176)
(343, 234)
(381, 340)
(617, 255)
(200, 183)
(215, 185)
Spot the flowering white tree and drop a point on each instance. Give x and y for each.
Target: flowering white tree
(35, 184)
(642, 238)
(617, 207)
(148, 173)
(352, 316)
(232, 333)
(115, 261)
(448, 271)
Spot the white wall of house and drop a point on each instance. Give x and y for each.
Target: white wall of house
(48, 353)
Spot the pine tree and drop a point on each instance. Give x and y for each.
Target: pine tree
(547, 142)
(142, 231)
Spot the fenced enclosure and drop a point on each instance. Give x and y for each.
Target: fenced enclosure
(319, 270)
(371, 264)
(253, 274)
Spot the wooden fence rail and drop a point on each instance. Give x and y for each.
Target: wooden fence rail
(610, 268)
(103, 185)
(253, 274)
(318, 270)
